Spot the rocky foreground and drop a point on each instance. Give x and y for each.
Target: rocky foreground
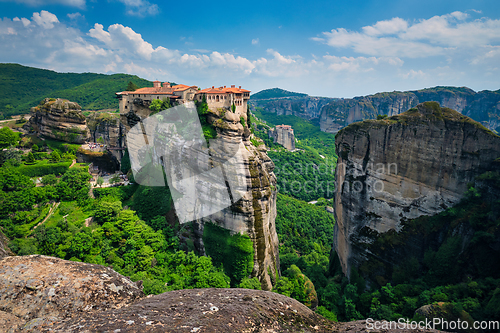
(46, 294)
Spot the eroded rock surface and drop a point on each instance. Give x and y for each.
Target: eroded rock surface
(39, 289)
(205, 310)
(413, 164)
(213, 310)
(255, 213)
(58, 119)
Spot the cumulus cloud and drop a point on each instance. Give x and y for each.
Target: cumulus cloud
(391, 58)
(45, 19)
(255, 41)
(437, 35)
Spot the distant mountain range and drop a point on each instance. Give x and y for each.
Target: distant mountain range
(23, 87)
(335, 113)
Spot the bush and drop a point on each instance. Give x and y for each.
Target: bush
(49, 179)
(41, 169)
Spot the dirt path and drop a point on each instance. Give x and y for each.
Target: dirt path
(74, 161)
(51, 211)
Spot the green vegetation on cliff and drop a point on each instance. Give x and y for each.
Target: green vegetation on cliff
(232, 252)
(55, 219)
(23, 87)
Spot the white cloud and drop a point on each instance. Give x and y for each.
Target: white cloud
(389, 27)
(45, 19)
(75, 16)
(123, 39)
(70, 3)
(390, 65)
(140, 7)
(437, 35)
(255, 41)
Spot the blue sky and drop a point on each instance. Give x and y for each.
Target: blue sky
(323, 48)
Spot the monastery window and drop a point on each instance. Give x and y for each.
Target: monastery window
(126, 107)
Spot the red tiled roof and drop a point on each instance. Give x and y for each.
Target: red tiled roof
(222, 90)
(182, 87)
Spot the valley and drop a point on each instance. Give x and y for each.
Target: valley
(388, 206)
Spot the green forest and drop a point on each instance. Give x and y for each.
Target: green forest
(276, 93)
(24, 87)
(459, 284)
(46, 208)
(309, 173)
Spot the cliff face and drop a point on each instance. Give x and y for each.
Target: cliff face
(416, 163)
(206, 180)
(482, 106)
(283, 135)
(304, 107)
(106, 126)
(58, 119)
(255, 213)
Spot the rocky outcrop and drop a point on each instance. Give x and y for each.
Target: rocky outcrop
(41, 290)
(103, 160)
(58, 119)
(399, 168)
(105, 128)
(483, 106)
(4, 247)
(216, 310)
(205, 310)
(283, 135)
(255, 213)
(306, 107)
(46, 294)
(239, 196)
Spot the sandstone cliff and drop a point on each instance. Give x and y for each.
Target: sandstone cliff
(188, 165)
(106, 126)
(58, 119)
(283, 135)
(416, 163)
(482, 106)
(255, 213)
